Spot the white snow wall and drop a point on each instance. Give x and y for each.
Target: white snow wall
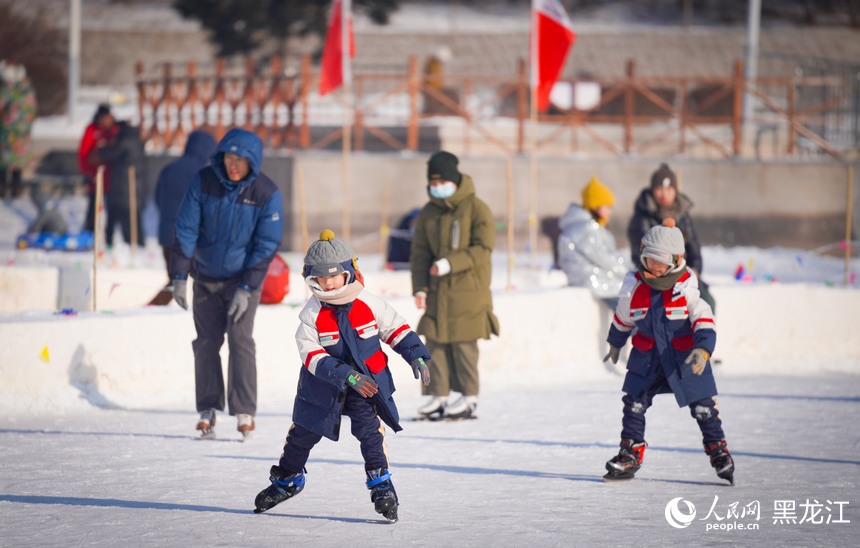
(142, 357)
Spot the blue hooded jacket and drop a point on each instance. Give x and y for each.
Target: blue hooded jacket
(174, 178)
(229, 230)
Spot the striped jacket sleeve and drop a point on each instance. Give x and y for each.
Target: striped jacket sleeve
(395, 331)
(621, 326)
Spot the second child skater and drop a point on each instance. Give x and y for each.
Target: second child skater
(344, 372)
(674, 340)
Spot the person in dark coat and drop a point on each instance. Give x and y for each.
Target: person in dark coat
(451, 266)
(170, 189)
(673, 338)
(119, 156)
(662, 200)
(228, 228)
(344, 372)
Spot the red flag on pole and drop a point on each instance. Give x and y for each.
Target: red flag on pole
(335, 69)
(552, 38)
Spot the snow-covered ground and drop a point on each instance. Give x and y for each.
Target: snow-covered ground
(98, 443)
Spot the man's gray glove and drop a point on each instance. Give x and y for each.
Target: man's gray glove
(612, 354)
(239, 304)
(179, 293)
(698, 358)
(362, 384)
(420, 370)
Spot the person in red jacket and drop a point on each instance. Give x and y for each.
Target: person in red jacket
(99, 133)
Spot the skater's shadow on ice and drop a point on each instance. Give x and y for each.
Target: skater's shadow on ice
(448, 468)
(116, 434)
(149, 505)
(116, 503)
(580, 445)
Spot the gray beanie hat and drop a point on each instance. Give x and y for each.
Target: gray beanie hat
(326, 256)
(663, 243)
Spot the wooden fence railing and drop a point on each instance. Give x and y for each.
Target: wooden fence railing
(635, 115)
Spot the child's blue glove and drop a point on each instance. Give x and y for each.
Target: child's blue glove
(420, 370)
(698, 358)
(361, 384)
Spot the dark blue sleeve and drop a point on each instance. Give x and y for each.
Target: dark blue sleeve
(411, 348)
(187, 230)
(332, 371)
(617, 338)
(265, 241)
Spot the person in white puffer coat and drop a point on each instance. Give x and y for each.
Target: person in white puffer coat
(586, 249)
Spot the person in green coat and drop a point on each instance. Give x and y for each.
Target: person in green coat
(451, 272)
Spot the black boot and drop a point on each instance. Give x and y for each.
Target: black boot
(721, 460)
(628, 460)
(382, 493)
(284, 486)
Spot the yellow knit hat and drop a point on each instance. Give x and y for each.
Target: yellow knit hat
(596, 194)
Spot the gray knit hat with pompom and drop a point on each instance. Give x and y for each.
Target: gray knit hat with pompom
(326, 255)
(663, 243)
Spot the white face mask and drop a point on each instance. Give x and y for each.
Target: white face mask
(443, 191)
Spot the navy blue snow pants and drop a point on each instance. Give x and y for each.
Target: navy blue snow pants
(364, 425)
(704, 411)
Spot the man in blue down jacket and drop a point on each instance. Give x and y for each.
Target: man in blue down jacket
(227, 230)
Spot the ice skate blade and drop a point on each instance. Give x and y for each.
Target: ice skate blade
(245, 436)
(623, 476)
(207, 435)
(391, 515)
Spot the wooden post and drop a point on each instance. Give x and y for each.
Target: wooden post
(682, 122)
(305, 131)
(737, 108)
(303, 216)
(219, 98)
(303, 212)
(510, 222)
(132, 207)
(792, 133)
(141, 96)
(522, 106)
(167, 101)
(358, 126)
(384, 216)
(97, 231)
(414, 85)
(629, 105)
(849, 210)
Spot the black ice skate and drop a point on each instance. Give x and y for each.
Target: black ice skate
(283, 486)
(382, 493)
(721, 460)
(624, 465)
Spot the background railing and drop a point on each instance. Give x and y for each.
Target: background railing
(813, 110)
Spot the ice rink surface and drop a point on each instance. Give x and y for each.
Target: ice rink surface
(528, 472)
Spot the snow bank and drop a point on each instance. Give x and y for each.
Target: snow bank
(141, 358)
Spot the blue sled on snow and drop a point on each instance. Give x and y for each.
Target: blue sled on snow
(81, 241)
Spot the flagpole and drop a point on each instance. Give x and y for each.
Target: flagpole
(345, 23)
(533, 79)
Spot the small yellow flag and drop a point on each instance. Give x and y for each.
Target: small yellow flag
(46, 357)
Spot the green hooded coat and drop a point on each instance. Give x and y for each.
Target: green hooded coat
(459, 304)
